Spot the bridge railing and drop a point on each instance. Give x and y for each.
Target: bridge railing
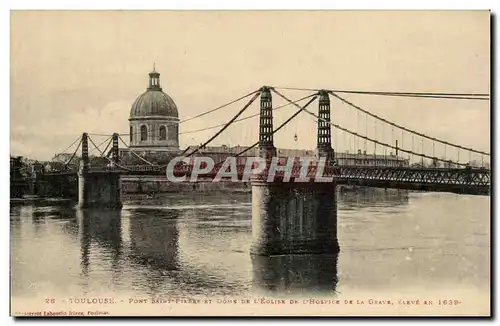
(472, 176)
(456, 176)
(430, 175)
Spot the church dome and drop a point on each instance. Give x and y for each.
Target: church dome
(154, 102)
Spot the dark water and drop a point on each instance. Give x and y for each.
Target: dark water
(193, 244)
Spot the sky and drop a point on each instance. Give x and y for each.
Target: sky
(80, 71)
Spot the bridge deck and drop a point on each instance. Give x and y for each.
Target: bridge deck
(457, 180)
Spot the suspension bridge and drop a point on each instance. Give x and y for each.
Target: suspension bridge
(292, 217)
(446, 173)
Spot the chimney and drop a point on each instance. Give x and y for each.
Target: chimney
(359, 152)
(364, 152)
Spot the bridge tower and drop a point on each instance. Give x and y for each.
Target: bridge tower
(324, 138)
(291, 217)
(266, 142)
(99, 187)
(114, 149)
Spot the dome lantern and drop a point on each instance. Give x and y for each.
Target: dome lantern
(154, 80)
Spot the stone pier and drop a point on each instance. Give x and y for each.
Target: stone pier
(294, 218)
(98, 188)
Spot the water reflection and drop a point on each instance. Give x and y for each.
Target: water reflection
(60, 210)
(154, 238)
(370, 197)
(99, 229)
(295, 274)
(200, 247)
(186, 200)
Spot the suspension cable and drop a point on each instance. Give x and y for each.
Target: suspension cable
(98, 134)
(73, 155)
(107, 146)
(133, 152)
(356, 134)
(283, 124)
(242, 119)
(274, 131)
(227, 124)
(404, 128)
(235, 121)
(220, 107)
(422, 148)
(392, 136)
(383, 139)
(449, 97)
(357, 129)
(95, 146)
(412, 142)
(118, 165)
(402, 138)
(366, 130)
(416, 94)
(74, 142)
(336, 139)
(105, 140)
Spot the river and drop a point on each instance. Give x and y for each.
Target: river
(193, 244)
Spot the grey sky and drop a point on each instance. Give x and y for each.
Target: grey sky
(80, 71)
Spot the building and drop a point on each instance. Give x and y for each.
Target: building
(219, 153)
(362, 158)
(154, 120)
(16, 167)
(65, 158)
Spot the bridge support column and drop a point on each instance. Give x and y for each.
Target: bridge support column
(114, 149)
(324, 138)
(293, 218)
(290, 217)
(97, 189)
(266, 143)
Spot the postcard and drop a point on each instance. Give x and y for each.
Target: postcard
(250, 163)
